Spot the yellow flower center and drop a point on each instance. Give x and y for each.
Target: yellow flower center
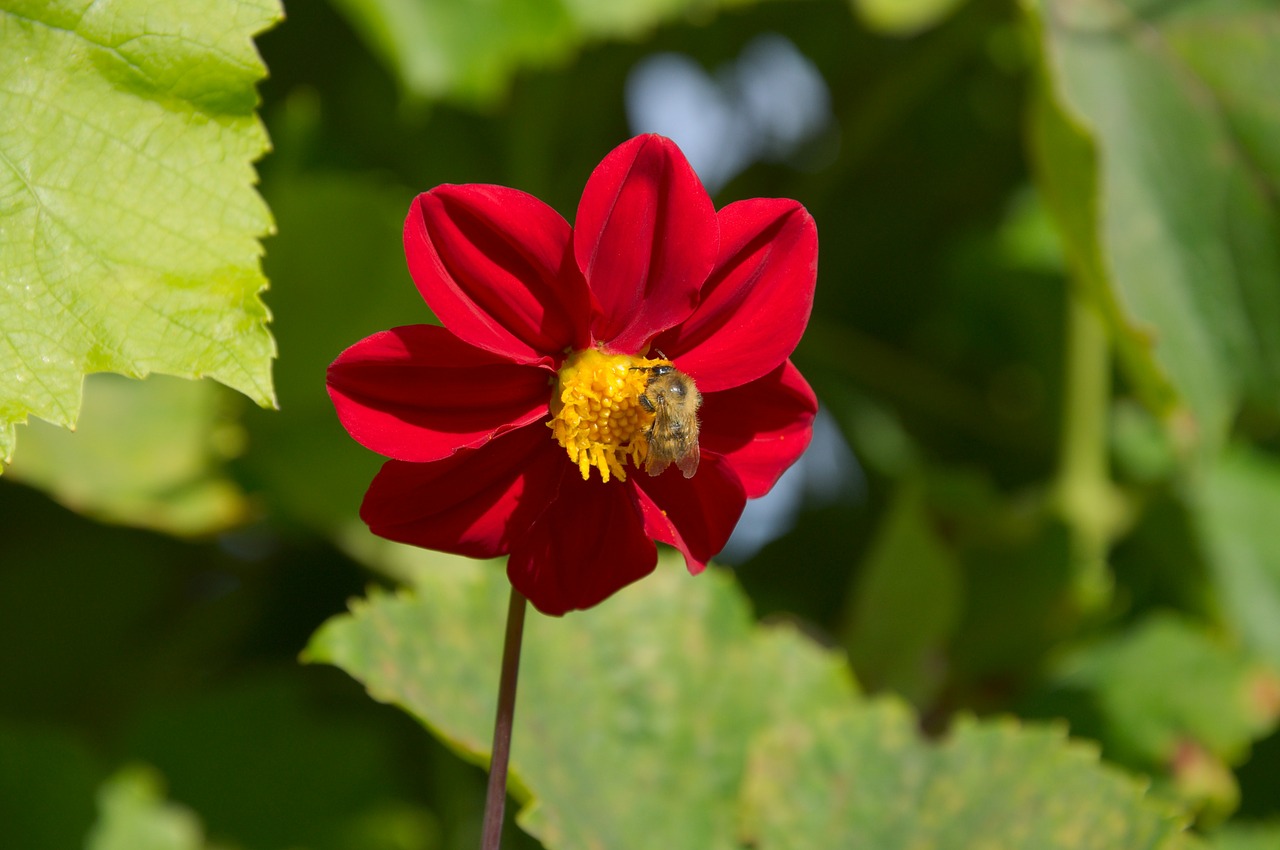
(596, 415)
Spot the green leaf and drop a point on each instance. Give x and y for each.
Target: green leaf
(1018, 581)
(146, 453)
(665, 672)
(451, 47)
(468, 50)
(1237, 510)
(129, 225)
(864, 777)
(133, 815)
(1139, 683)
(906, 604)
(903, 17)
(1247, 836)
(1185, 187)
(1065, 159)
(666, 718)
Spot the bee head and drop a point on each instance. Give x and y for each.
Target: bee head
(655, 372)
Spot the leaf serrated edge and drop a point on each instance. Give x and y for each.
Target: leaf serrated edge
(1085, 751)
(272, 14)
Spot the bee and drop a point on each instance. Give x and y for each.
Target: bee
(674, 400)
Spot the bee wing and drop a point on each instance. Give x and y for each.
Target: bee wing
(656, 465)
(689, 463)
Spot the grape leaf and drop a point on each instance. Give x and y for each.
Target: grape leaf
(667, 718)
(648, 681)
(133, 815)
(1185, 181)
(863, 777)
(129, 224)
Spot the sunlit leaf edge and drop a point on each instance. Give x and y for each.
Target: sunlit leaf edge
(252, 377)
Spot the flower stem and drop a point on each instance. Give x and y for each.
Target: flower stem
(496, 798)
(1087, 499)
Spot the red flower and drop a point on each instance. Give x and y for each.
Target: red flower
(547, 325)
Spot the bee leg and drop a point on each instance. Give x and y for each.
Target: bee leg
(647, 404)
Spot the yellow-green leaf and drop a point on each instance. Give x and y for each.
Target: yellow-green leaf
(667, 718)
(129, 222)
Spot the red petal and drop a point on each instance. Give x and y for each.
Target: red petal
(760, 428)
(695, 515)
(756, 303)
(494, 265)
(418, 393)
(470, 504)
(645, 238)
(588, 544)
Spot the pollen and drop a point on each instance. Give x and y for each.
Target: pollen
(596, 415)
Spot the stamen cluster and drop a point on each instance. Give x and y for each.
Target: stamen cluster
(596, 412)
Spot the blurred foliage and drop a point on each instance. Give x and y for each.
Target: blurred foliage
(903, 17)
(150, 453)
(443, 48)
(132, 815)
(1183, 222)
(1047, 325)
